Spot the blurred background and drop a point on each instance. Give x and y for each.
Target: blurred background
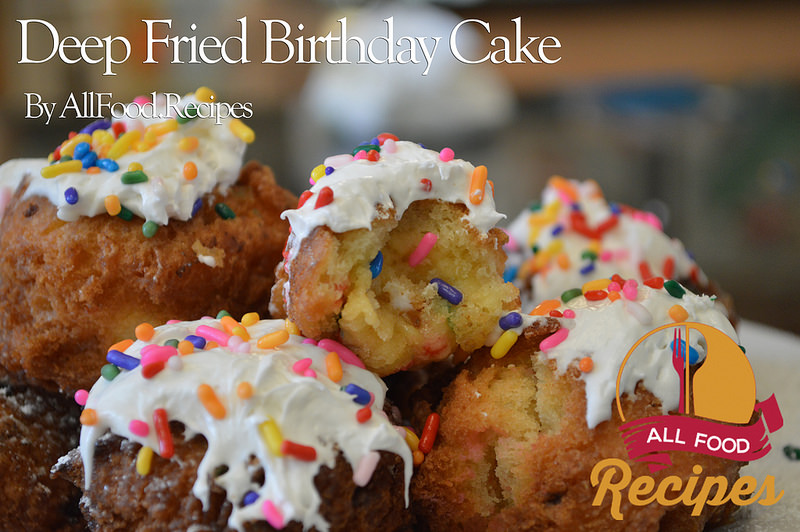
(690, 110)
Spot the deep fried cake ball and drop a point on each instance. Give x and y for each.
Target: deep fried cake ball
(36, 429)
(396, 259)
(521, 434)
(69, 290)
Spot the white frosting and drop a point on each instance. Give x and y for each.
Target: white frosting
(606, 331)
(636, 237)
(167, 194)
(312, 411)
(360, 187)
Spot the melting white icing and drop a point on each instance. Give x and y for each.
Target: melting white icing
(310, 411)
(167, 194)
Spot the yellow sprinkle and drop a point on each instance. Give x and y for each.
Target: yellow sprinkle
(554, 247)
(271, 435)
(241, 130)
(545, 216)
(188, 144)
(144, 146)
(533, 234)
(251, 318)
(504, 344)
(563, 261)
(50, 157)
(411, 439)
(69, 146)
(678, 313)
(244, 390)
(273, 340)
(102, 136)
(62, 168)
(144, 460)
(292, 328)
(333, 366)
(204, 94)
(162, 128)
(594, 246)
(134, 167)
(318, 172)
(185, 347)
(241, 332)
(123, 144)
(112, 204)
(597, 284)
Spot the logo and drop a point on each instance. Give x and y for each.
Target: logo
(718, 415)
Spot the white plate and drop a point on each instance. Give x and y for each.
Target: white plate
(775, 358)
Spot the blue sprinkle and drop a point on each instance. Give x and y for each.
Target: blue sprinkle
(109, 165)
(198, 341)
(447, 292)
(81, 149)
(249, 498)
(557, 230)
(196, 207)
(510, 273)
(376, 265)
(329, 170)
(586, 270)
(71, 195)
(361, 396)
(512, 320)
(89, 160)
(576, 206)
(375, 141)
(118, 358)
(694, 356)
(97, 124)
(615, 209)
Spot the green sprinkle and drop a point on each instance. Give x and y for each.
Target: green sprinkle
(535, 207)
(172, 342)
(535, 249)
(569, 295)
(222, 313)
(743, 349)
(109, 372)
(225, 212)
(133, 177)
(589, 254)
(64, 158)
(149, 229)
(791, 452)
(366, 147)
(674, 288)
(125, 214)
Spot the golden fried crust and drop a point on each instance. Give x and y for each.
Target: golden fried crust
(396, 320)
(68, 290)
(36, 429)
(119, 499)
(514, 452)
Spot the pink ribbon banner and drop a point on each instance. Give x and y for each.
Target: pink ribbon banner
(648, 439)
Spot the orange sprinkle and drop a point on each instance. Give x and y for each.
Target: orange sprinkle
(228, 323)
(188, 144)
(564, 186)
(273, 340)
(613, 296)
(144, 331)
(477, 185)
(112, 204)
(333, 366)
(563, 261)
(244, 390)
(189, 170)
(122, 345)
(586, 364)
(491, 186)
(93, 170)
(418, 457)
(544, 308)
(185, 347)
(678, 313)
(211, 345)
(89, 416)
(210, 401)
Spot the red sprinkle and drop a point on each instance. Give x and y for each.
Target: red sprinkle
(154, 368)
(617, 278)
(325, 197)
(301, 452)
(556, 313)
(694, 274)
(655, 282)
(429, 433)
(363, 414)
(426, 184)
(383, 137)
(595, 295)
(118, 128)
(373, 155)
(304, 198)
(669, 267)
(161, 423)
(644, 270)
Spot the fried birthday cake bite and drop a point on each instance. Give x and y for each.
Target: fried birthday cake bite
(131, 220)
(393, 252)
(526, 422)
(575, 235)
(222, 424)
